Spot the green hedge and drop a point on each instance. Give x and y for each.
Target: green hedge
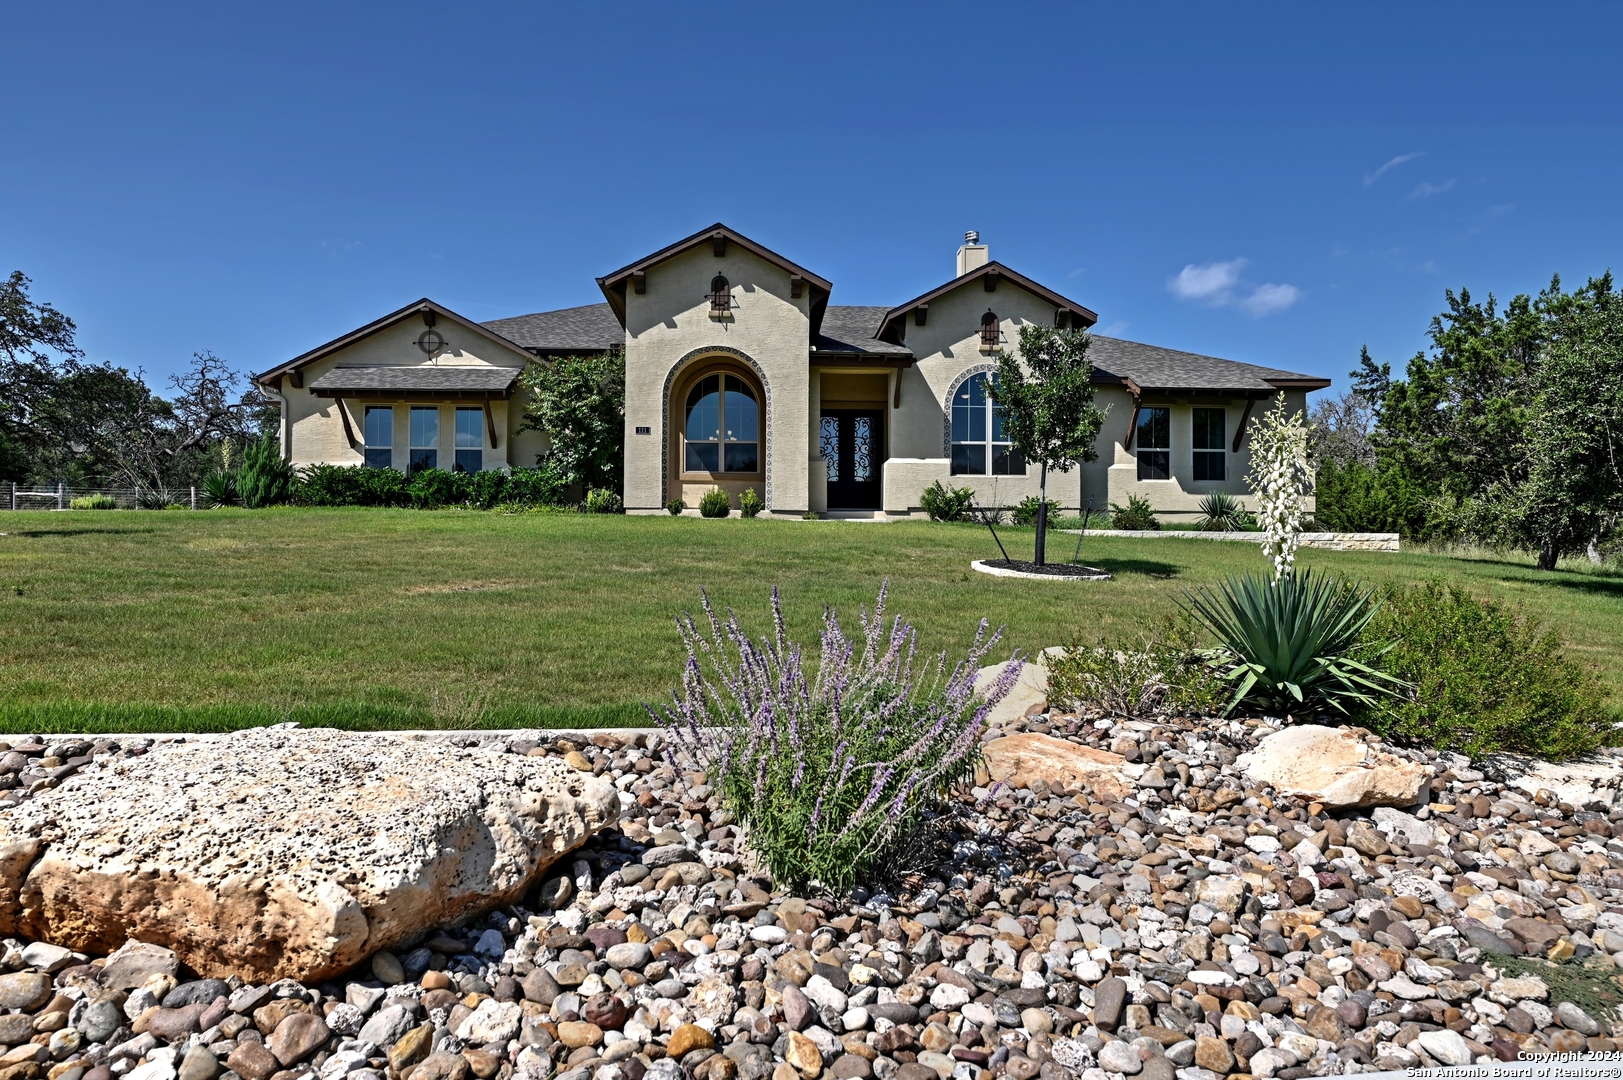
(1358, 498)
(356, 485)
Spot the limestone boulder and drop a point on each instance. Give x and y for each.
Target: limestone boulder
(1019, 759)
(1334, 767)
(277, 853)
(1029, 693)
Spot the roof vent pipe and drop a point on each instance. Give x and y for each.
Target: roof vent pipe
(973, 255)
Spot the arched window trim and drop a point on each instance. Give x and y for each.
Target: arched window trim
(721, 296)
(679, 408)
(991, 336)
(975, 446)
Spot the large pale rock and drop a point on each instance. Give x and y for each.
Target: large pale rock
(285, 853)
(1331, 766)
(1020, 759)
(1597, 778)
(1029, 692)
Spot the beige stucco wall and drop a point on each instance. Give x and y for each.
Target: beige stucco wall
(946, 348)
(1179, 498)
(314, 430)
(669, 326)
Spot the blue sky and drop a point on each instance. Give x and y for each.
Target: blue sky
(1275, 183)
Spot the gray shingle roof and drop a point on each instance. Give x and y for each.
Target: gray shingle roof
(460, 378)
(1155, 368)
(851, 329)
(590, 328)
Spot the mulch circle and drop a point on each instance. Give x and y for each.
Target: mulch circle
(1052, 571)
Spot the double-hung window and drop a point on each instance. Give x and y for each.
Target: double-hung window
(979, 437)
(425, 437)
(1210, 458)
(379, 432)
(470, 440)
(1154, 442)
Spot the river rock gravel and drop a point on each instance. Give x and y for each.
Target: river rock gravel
(1180, 923)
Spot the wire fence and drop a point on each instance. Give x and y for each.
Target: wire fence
(65, 496)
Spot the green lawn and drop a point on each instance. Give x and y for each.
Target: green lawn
(397, 618)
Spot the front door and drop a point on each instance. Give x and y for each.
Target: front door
(853, 446)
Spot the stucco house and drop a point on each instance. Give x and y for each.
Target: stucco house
(741, 374)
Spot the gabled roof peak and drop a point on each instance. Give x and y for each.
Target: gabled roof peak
(718, 236)
(890, 328)
(424, 307)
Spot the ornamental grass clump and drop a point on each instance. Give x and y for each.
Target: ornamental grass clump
(828, 769)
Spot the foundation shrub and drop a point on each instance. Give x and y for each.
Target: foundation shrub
(1137, 514)
(829, 763)
(431, 489)
(715, 504)
(943, 503)
(265, 479)
(93, 502)
(750, 503)
(602, 501)
(1486, 677)
(1025, 511)
(675, 507)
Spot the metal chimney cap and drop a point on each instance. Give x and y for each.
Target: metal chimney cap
(972, 237)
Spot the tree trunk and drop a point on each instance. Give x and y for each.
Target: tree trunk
(1042, 514)
(1547, 554)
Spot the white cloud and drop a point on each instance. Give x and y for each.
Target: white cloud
(1219, 284)
(1426, 190)
(1115, 328)
(1267, 299)
(1211, 284)
(1370, 178)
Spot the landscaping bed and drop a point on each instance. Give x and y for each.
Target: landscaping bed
(1187, 925)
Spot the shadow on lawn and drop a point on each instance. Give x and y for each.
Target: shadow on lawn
(1145, 567)
(36, 533)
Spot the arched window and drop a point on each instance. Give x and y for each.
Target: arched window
(721, 296)
(721, 428)
(978, 435)
(989, 332)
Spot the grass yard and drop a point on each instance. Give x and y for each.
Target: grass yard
(394, 618)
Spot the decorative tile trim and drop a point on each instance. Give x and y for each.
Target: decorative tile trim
(706, 353)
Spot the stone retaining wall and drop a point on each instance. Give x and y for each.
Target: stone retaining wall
(1333, 541)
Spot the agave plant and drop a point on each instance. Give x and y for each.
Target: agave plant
(1223, 513)
(1290, 645)
(219, 489)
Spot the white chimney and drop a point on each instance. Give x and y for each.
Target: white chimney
(973, 254)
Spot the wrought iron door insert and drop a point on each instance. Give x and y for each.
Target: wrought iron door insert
(852, 442)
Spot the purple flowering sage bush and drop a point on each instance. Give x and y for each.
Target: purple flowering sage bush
(828, 768)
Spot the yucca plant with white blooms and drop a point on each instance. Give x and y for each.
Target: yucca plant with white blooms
(1281, 475)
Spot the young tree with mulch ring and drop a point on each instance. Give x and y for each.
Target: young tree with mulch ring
(1045, 395)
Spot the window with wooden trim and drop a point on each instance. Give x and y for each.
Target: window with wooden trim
(979, 439)
(1153, 443)
(721, 296)
(470, 439)
(1210, 455)
(721, 427)
(425, 437)
(989, 332)
(378, 431)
